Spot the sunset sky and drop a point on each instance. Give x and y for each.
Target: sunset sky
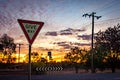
(64, 25)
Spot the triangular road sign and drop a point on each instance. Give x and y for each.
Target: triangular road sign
(30, 29)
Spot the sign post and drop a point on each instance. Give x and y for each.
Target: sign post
(29, 63)
(31, 30)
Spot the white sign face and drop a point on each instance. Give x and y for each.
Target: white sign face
(30, 29)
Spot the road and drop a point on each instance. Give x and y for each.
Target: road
(98, 76)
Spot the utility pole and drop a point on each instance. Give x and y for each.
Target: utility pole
(19, 51)
(29, 62)
(92, 38)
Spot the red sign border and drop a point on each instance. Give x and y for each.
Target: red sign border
(21, 21)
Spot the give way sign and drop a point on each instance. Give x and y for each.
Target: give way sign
(30, 29)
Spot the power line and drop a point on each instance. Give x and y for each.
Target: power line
(111, 12)
(98, 9)
(106, 6)
(98, 22)
(108, 20)
(103, 8)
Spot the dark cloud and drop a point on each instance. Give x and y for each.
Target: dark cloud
(79, 30)
(82, 44)
(51, 33)
(66, 32)
(84, 37)
(68, 45)
(65, 45)
(70, 31)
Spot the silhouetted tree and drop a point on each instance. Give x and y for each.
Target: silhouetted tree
(8, 46)
(75, 57)
(110, 40)
(35, 57)
(43, 60)
(100, 53)
(1, 47)
(98, 59)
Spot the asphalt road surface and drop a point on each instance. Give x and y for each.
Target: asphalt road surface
(98, 76)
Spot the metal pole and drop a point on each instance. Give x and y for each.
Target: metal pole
(92, 54)
(29, 63)
(19, 54)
